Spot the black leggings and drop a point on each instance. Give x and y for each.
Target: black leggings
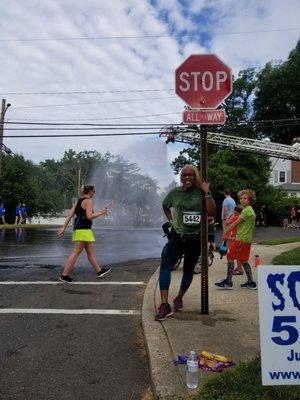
(176, 247)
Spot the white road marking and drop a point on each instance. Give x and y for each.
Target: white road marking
(63, 283)
(66, 311)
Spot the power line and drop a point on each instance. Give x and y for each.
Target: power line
(95, 102)
(206, 32)
(106, 118)
(73, 129)
(270, 125)
(81, 135)
(240, 123)
(112, 128)
(84, 124)
(86, 92)
(268, 120)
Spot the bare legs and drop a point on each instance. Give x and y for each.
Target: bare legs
(164, 294)
(181, 293)
(76, 253)
(91, 257)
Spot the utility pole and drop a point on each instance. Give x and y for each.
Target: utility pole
(4, 107)
(79, 182)
(204, 240)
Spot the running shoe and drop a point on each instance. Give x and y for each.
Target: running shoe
(103, 272)
(249, 285)
(177, 304)
(224, 285)
(164, 311)
(66, 279)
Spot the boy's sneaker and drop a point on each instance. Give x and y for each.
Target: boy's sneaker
(177, 304)
(249, 285)
(103, 272)
(164, 311)
(66, 278)
(224, 285)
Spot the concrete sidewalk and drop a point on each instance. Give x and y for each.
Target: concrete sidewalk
(231, 328)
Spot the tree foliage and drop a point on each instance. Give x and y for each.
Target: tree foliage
(49, 187)
(24, 182)
(270, 94)
(238, 106)
(236, 171)
(66, 170)
(278, 97)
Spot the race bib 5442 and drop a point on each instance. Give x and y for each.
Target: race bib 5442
(191, 218)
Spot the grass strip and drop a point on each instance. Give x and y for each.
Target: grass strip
(291, 257)
(273, 242)
(244, 383)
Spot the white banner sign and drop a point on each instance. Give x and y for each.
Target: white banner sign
(279, 316)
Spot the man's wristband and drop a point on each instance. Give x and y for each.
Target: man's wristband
(208, 194)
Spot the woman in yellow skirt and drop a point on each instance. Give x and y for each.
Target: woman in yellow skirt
(82, 233)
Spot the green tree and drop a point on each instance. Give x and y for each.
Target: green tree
(49, 198)
(278, 203)
(238, 106)
(66, 170)
(236, 171)
(50, 186)
(278, 97)
(24, 182)
(135, 195)
(144, 201)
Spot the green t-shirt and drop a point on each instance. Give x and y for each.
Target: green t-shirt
(246, 227)
(187, 207)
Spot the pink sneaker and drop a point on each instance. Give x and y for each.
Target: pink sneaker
(164, 311)
(177, 304)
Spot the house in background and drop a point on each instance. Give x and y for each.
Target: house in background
(286, 174)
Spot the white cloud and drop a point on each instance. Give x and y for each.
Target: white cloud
(255, 49)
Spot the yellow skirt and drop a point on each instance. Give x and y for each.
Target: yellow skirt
(83, 235)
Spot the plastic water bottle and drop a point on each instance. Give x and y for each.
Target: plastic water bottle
(192, 371)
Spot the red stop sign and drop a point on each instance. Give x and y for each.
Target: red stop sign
(203, 81)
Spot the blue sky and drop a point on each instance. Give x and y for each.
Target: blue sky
(123, 55)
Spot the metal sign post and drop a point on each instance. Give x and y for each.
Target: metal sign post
(204, 239)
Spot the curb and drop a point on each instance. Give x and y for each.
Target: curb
(166, 381)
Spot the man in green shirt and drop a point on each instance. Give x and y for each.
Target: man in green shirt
(240, 248)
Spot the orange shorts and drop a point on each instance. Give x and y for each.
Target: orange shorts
(239, 251)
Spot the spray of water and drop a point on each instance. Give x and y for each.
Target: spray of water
(135, 182)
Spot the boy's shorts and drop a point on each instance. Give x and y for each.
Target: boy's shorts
(239, 251)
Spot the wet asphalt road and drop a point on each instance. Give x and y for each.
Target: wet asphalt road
(45, 357)
(112, 246)
(76, 357)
